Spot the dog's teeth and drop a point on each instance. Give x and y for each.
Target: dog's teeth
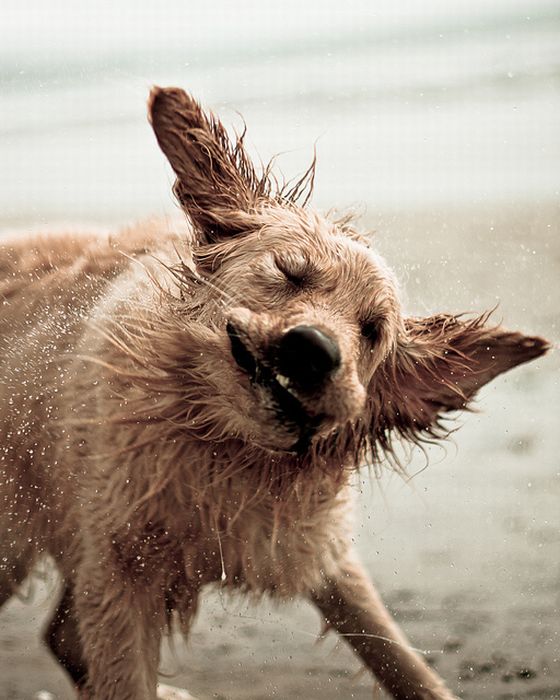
(285, 384)
(283, 381)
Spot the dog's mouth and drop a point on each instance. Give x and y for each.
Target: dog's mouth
(289, 408)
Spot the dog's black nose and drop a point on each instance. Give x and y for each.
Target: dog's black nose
(307, 357)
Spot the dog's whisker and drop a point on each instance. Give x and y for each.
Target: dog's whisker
(213, 286)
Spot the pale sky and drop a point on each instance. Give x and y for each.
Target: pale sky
(62, 26)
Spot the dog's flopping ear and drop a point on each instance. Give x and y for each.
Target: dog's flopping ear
(216, 182)
(438, 367)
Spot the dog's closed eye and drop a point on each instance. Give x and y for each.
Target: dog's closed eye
(298, 271)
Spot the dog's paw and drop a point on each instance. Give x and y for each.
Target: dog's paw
(167, 692)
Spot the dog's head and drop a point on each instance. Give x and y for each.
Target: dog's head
(307, 345)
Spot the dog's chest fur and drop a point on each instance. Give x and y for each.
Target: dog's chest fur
(277, 546)
(261, 543)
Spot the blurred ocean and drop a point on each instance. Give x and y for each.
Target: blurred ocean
(410, 104)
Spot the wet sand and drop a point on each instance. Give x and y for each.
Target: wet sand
(467, 555)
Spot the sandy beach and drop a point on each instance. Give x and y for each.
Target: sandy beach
(467, 554)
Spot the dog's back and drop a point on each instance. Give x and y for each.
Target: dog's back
(49, 286)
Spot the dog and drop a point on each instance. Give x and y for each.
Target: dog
(187, 406)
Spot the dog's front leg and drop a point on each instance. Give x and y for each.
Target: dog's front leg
(120, 622)
(350, 603)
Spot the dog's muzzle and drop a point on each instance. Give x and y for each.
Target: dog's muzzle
(293, 370)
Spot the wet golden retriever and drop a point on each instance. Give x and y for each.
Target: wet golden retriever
(184, 408)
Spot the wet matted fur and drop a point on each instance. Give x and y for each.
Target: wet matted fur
(179, 408)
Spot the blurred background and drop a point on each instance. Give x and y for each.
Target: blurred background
(439, 121)
(417, 102)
